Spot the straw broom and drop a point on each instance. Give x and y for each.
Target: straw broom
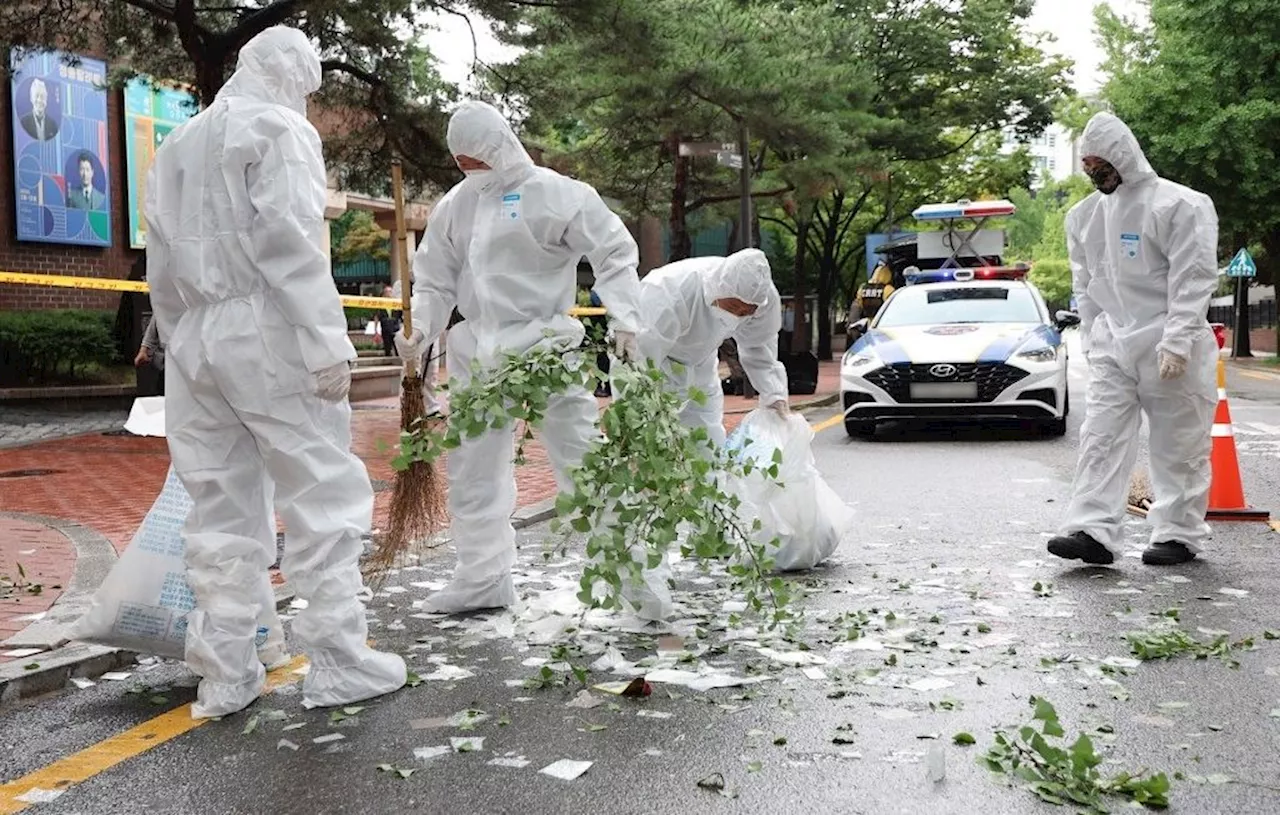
(417, 496)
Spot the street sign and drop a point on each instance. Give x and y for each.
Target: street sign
(729, 158)
(706, 148)
(1242, 265)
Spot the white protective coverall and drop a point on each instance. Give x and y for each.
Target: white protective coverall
(503, 246)
(258, 352)
(682, 326)
(1144, 266)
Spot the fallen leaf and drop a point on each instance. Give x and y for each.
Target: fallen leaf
(963, 739)
(638, 688)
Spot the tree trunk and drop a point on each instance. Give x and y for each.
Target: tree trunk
(800, 334)
(826, 276)
(681, 244)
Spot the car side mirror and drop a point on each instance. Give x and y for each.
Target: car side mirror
(862, 325)
(1066, 319)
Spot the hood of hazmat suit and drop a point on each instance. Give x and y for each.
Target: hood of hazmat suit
(246, 303)
(504, 245)
(1144, 267)
(682, 326)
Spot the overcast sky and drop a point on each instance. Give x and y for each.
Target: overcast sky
(1070, 20)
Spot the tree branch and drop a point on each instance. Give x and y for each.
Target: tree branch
(724, 199)
(787, 225)
(352, 70)
(275, 14)
(154, 9)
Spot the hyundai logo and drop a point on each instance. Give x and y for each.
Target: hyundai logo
(943, 371)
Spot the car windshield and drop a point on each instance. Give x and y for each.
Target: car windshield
(937, 305)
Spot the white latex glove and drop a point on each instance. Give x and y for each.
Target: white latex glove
(412, 346)
(781, 408)
(625, 347)
(1172, 366)
(334, 383)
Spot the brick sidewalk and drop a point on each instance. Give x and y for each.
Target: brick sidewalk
(107, 483)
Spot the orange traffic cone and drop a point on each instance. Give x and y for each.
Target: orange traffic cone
(1226, 492)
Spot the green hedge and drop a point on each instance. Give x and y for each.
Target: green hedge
(36, 346)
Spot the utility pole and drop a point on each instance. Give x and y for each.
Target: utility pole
(746, 234)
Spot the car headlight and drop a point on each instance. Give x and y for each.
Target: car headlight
(1039, 353)
(859, 360)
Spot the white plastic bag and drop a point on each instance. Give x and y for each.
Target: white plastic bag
(802, 512)
(142, 605)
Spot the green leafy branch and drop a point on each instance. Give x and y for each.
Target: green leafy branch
(1060, 775)
(648, 484)
(1167, 643)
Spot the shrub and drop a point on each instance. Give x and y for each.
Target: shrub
(1053, 278)
(37, 345)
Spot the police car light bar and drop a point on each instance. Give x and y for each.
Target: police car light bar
(964, 209)
(1018, 272)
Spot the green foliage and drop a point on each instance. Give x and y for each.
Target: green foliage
(1170, 642)
(648, 484)
(1200, 87)
(37, 345)
(1053, 278)
(355, 235)
(1062, 775)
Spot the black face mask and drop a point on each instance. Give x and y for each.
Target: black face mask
(1106, 179)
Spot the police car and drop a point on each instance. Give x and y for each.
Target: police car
(960, 344)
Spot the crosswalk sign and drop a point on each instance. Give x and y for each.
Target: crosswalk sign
(1242, 265)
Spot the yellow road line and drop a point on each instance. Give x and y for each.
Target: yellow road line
(1258, 375)
(828, 423)
(109, 284)
(81, 766)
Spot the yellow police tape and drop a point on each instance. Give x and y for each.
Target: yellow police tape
(107, 284)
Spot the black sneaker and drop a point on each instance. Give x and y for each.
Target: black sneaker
(1169, 553)
(1080, 546)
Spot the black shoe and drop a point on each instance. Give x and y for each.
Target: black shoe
(1080, 546)
(1170, 553)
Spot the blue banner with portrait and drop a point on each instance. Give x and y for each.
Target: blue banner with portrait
(60, 159)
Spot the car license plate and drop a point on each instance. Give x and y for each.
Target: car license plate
(944, 390)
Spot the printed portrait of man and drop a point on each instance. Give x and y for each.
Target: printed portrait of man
(84, 195)
(38, 123)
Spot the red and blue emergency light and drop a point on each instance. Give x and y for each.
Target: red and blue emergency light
(964, 209)
(952, 275)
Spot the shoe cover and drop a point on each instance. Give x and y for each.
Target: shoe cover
(468, 595)
(214, 699)
(377, 673)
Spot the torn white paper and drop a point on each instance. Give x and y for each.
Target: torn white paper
(565, 769)
(428, 753)
(35, 795)
(328, 737)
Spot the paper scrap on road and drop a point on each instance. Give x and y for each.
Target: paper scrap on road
(467, 744)
(285, 744)
(792, 658)
(701, 682)
(19, 653)
(653, 714)
(566, 769)
(82, 683)
(815, 673)
(328, 737)
(35, 795)
(1233, 592)
(585, 701)
(518, 763)
(116, 676)
(296, 726)
(448, 673)
(428, 753)
(931, 684)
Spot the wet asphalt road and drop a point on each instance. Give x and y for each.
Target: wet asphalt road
(939, 579)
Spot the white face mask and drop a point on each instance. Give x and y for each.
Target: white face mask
(729, 321)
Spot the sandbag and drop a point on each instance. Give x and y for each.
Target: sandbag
(142, 605)
(802, 512)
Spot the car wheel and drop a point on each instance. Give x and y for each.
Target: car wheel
(859, 428)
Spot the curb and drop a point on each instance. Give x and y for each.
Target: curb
(816, 402)
(82, 660)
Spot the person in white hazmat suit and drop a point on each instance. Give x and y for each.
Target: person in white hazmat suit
(259, 371)
(503, 246)
(1144, 265)
(692, 306)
